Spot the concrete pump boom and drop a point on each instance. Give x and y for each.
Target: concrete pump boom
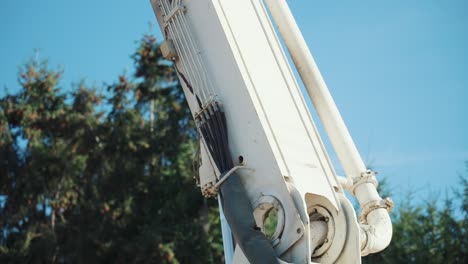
(260, 150)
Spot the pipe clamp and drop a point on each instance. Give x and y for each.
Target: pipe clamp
(386, 203)
(366, 177)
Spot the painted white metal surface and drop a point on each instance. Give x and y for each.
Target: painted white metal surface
(268, 121)
(228, 51)
(276, 97)
(249, 72)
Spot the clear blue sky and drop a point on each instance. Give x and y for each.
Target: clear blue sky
(398, 69)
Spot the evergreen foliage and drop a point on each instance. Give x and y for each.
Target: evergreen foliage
(97, 178)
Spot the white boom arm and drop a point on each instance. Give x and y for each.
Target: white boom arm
(260, 149)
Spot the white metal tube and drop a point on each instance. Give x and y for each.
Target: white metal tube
(345, 182)
(379, 225)
(380, 232)
(379, 229)
(317, 89)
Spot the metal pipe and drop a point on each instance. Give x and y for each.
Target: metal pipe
(379, 230)
(345, 182)
(317, 89)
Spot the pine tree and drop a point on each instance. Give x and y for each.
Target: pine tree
(102, 178)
